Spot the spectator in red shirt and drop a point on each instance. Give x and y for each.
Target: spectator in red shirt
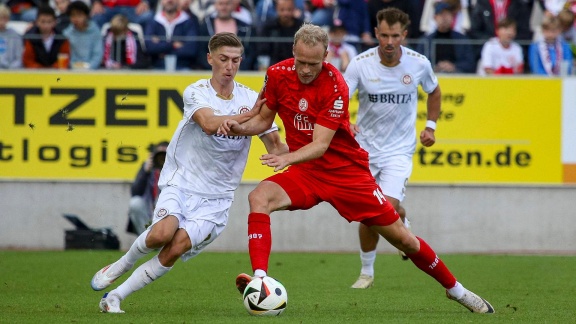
(137, 11)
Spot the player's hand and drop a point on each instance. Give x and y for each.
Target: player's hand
(427, 137)
(228, 126)
(355, 129)
(275, 161)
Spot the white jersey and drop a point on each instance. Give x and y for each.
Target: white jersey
(388, 100)
(210, 166)
(501, 60)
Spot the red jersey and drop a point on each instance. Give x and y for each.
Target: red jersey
(118, 3)
(301, 106)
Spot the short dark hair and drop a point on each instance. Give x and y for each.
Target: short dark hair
(392, 16)
(224, 39)
(78, 6)
(506, 22)
(46, 11)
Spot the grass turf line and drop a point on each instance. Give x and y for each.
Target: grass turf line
(54, 287)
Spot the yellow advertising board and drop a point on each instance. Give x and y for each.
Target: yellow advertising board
(494, 130)
(99, 126)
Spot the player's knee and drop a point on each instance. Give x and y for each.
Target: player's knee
(258, 197)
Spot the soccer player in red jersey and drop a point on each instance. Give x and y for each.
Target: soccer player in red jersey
(325, 163)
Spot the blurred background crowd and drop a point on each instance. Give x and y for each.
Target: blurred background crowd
(458, 36)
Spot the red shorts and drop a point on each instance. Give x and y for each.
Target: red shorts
(351, 190)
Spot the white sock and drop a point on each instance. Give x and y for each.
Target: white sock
(457, 291)
(137, 250)
(142, 276)
(367, 259)
(260, 273)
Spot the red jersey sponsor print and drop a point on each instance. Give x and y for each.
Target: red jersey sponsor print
(301, 106)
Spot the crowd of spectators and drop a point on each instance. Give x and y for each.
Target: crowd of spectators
(458, 36)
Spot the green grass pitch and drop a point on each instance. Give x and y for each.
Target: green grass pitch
(54, 287)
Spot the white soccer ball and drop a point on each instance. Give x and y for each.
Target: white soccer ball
(265, 297)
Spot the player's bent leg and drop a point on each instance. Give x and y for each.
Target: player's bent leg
(179, 244)
(148, 271)
(267, 197)
(428, 261)
(162, 232)
(144, 275)
(399, 236)
(107, 275)
(368, 238)
(402, 213)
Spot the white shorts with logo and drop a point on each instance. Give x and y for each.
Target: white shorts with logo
(202, 218)
(392, 174)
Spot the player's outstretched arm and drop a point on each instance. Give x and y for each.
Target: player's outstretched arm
(257, 124)
(209, 122)
(321, 141)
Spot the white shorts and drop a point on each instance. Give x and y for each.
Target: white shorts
(202, 218)
(392, 174)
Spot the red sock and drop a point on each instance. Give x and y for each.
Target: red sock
(259, 240)
(427, 261)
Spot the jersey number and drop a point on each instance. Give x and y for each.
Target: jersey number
(379, 195)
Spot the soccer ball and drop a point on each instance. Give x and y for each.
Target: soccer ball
(265, 297)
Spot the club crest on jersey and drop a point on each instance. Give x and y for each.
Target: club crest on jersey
(303, 104)
(243, 109)
(162, 212)
(407, 79)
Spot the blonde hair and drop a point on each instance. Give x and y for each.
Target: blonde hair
(550, 22)
(566, 18)
(119, 24)
(4, 11)
(311, 35)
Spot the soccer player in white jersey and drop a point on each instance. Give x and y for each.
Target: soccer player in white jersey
(387, 79)
(198, 180)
